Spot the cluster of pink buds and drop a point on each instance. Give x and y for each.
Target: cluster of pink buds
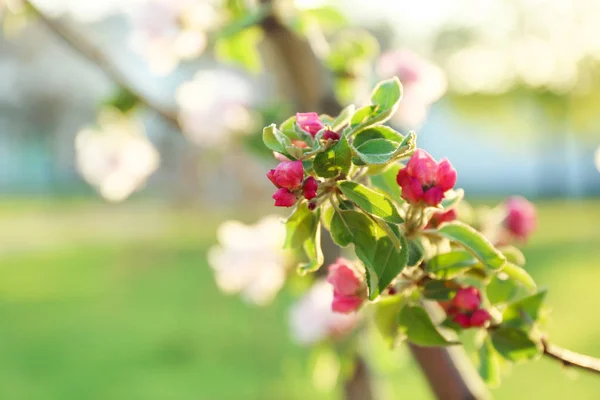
(311, 123)
(424, 181)
(288, 177)
(349, 288)
(521, 218)
(464, 309)
(441, 217)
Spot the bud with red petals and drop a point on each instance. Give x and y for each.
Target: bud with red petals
(479, 318)
(441, 217)
(331, 135)
(310, 187)
(309, 122)
(467, 299)
(284, 198)
(423, 180)
(463, 320)
(288, 174)
(349, 289)
(521, 218)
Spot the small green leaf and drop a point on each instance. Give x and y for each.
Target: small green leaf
(387, 311)
(438, 290)
(415, 252)
(370, 201)
(386, 181)
(415, 322)
(377, 132)
(312, 249)
(377, 151)
(275, 140)
(387, 94)
(383, 261)
(475, 242)
(519, 275)
(300, 226)
(334, 161)
(500, 291)
(514, 344)
(489, 366)
(513, 255)
(343, 119)
(362, 116)
(449, 265)
(524, 312)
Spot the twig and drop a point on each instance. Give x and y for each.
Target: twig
(571, 359)
(94, 54)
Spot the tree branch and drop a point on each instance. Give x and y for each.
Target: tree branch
(94, 54)
(571, 359)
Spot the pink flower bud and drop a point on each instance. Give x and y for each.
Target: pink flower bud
(479, 318)
(310, 122)
(425, 181)
(309, 190)
(284, 198)
(288, 174)
(344, 278)
(446, 175)
(331, 135)
(439, 218)
(463, 320)
(345, 304)
(521, 218)
(467, 299)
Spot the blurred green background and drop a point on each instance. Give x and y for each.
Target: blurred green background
(117, 302)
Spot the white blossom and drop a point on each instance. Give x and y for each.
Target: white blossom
(116, 157)
(423, 83)
(312, 319)
(250, 259)
(214, 106)
(168, 31)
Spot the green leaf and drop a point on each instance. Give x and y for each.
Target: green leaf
(370, 201)
(241, 49)
(489, 366)
(275, 140)
(449, 265)
(452, 198)
(387, 311)
(415, 252)
(334, 161)
(415, 322)
(387, 94)
(300, 226)
(377, 132)
(519, 275)
(500, 291)
(386, 181)
(377, 151)
(524, 312)
(343, 119)
(513, 255)
(514, 344)
(475, 242)
(438, 290)
(383, 261)
(312, 249)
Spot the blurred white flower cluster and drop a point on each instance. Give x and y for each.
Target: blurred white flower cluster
(250, 259)
(168, 31)
(85, 11)
(214, 106)
(116, 157)
(597, 159)
(312, 319)
(423, 83)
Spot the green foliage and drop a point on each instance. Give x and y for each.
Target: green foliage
(386, 181)
(275, 140)
(524, 312)
(370, 201)
(383, 261)
(334, 161)
(387, 312)
(450, 265)
(514, 344)
(475, 242)
(439, 290)
(123, 100)
(489, 365)
(385, 99)
(240, 48)
(416, 324)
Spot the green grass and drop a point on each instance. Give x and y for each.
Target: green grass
(118, 302)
